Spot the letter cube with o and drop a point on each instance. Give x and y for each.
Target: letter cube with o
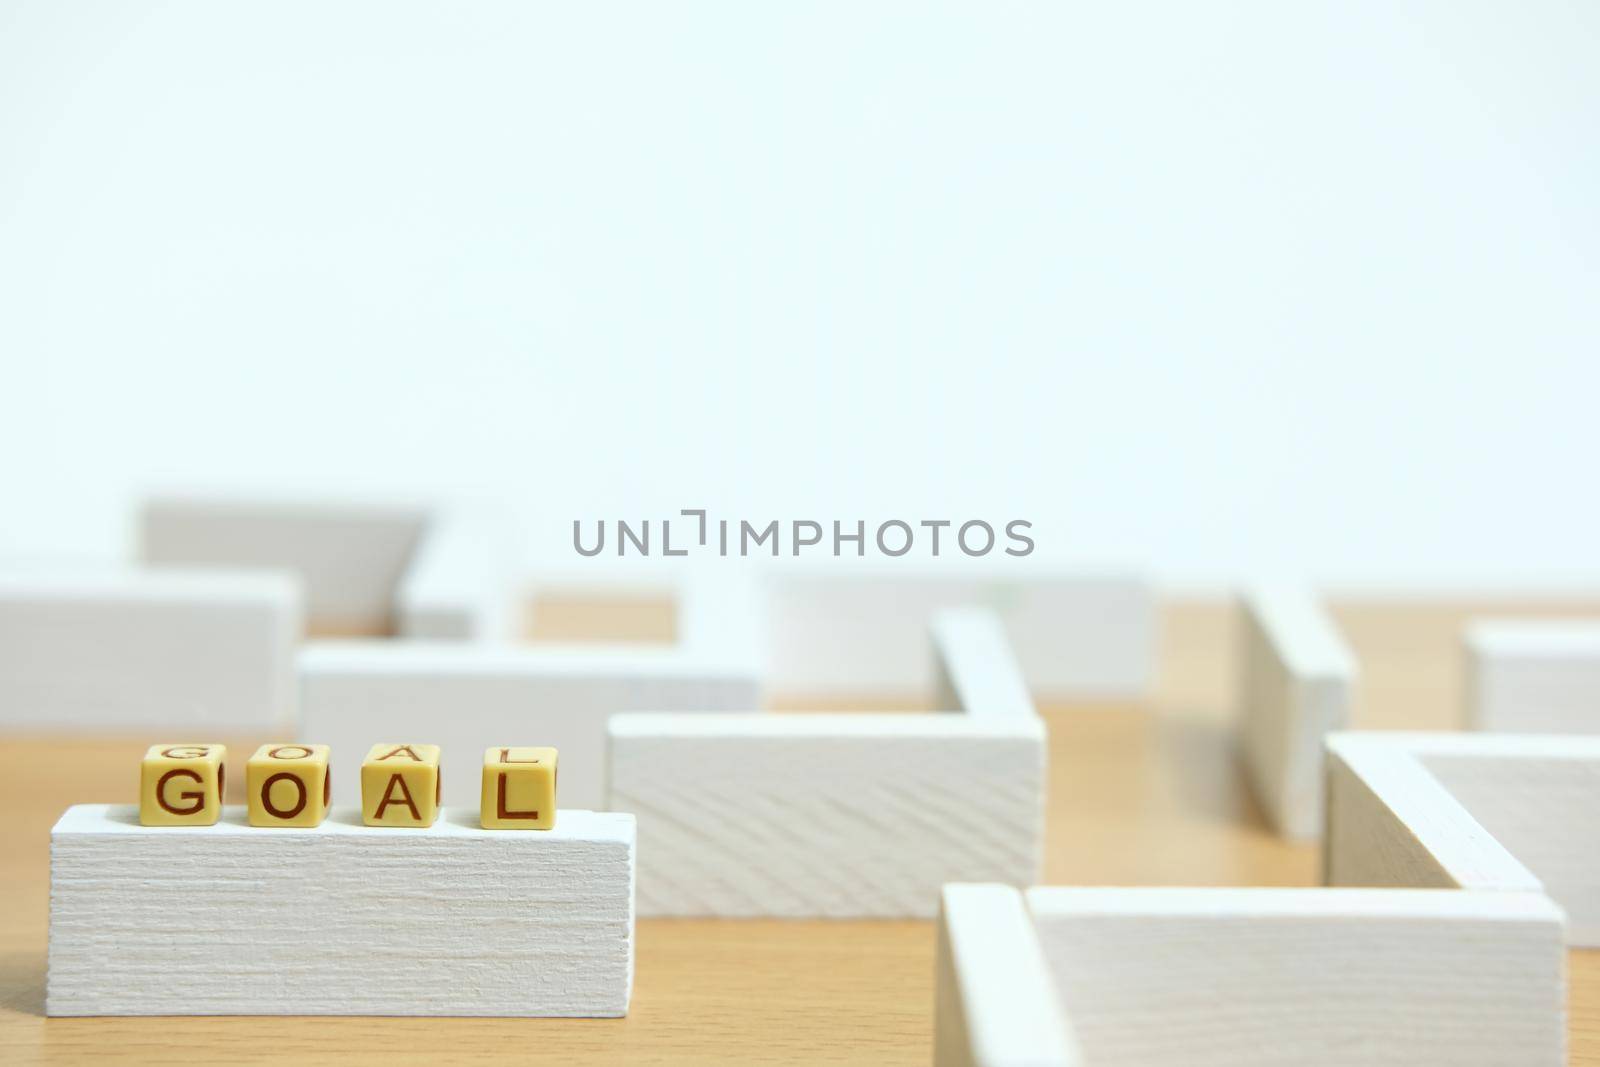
(288, 785)
(519, 789)
(400, 785)
(181, 785)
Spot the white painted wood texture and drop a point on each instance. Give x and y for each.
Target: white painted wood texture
(863, 634)
(350, 557)
(1476, 811)
(1309, 977)
(836, 815)
(1533, 676)
(1296, 688)
(148, 649)
(461, 583)
(995, 1002)
(469, 697)
(341, 919)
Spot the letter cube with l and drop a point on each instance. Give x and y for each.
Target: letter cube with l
(288, 785)
(400, 785)
(519, 789)
(181, 785)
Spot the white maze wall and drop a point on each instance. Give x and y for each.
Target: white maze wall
(840, 815)
(122, 650)
(1296, 687)
(1533, 677)
(469, 697)
(1248, 978)
(422, 571)
(1501, 812)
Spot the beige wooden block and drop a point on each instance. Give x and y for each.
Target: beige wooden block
(288, 785)
(181, 785)
(519, 789)
(400, 785)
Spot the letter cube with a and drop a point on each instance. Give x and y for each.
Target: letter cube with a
(288, 785)
(181, 785)
(519, 789)
(400, 785)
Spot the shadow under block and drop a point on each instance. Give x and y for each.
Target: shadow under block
(827, 815)
(1533, 676)
(182, 785)
(864, 636)
(340, 919)
(1296, 687)
(1505, 812)
(995, 1003)
(1312, 977)
(167, 650)
(467, 698)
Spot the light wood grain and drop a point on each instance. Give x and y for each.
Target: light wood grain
(1138, 796)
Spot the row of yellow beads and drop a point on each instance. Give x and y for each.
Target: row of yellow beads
(289, 785)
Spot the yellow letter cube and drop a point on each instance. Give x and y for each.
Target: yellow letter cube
(400, 785)
(181, 785)
(288, 785)
(519, 789)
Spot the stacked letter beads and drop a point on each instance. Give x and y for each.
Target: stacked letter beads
(288, 785)
(181, 785)
(519, 789)
(400, 785)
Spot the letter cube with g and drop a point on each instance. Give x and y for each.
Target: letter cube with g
(519, 789)
(288, 785)
(181, 785)
(400, 785)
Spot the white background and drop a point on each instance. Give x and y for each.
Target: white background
(1201, 289)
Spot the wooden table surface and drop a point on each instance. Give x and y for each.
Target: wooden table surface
(1145, 795)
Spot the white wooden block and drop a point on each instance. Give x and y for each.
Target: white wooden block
(995, 1002)
(975, 667)
(469, 697)
(350, 557)
(123, 650)
(863, 635)
(1311, 977)
(826, 815)
(1534, 677)
(340, 919)
(1476, 811)
(461, 582)
(1298, 676)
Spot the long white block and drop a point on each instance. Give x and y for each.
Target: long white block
(995, 1003)
(148, 649)
(1475, 811)
(1298, 675)
(468, 697)
(1533, 677)
(461, 582)
(350, 557)
(1312, 977)
(863, 635)
(342, 919)
(834, 815)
